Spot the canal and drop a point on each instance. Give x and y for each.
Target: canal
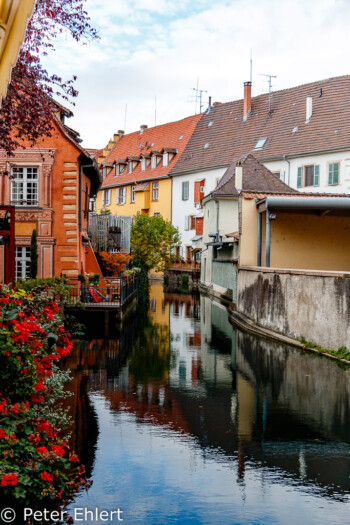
(182, 419)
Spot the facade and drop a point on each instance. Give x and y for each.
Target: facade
(50, 185)
(136, 169)
(224, 221)
(14, 15)
(301, 134)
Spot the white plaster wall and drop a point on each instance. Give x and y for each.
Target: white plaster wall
(181, 208)
(322, 160)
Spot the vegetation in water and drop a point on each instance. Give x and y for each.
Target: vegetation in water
(341, 353)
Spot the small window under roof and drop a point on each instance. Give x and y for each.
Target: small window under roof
(181, 137)
(210, 123)
(260, 143)
(206, 145)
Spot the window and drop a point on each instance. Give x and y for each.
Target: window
(156, 214)
(133, 189)
(143, 164)
(119, 168)
(130, 166)
(308, 176)
(333, 173)
(106, 197)
(155, 191)
(165, 159)
(121, 195)
(260, 143)
(153, 162)
(185, 190)
(104, 172)
(192, 221)
(24, 186)
(22, 262)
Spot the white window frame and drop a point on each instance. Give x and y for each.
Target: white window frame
(165, 159)
(121, 195)
(22, 262)
(153, 162)
(28, 183)
(130, 166)
(133, 194)
(155, 191)
(106, 197)
(143, 164)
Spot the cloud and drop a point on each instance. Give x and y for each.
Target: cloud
(160, 47)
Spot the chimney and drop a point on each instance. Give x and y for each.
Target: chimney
(247, 103)
(239, 176)
(143, 127)
(120, 132)
(308, 109)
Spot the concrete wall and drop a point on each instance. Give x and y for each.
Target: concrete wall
(224, 277)
(308, 305)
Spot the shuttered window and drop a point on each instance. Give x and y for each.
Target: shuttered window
(333, 173)
(300, 177)
(185, 190)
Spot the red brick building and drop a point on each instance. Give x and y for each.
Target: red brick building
(50, 185)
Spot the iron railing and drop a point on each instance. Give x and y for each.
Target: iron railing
(113, 293)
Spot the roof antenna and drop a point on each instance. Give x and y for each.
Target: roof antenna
(155, 110)
(251, 66)
(199, 95)
(270, 77)
(126, 108)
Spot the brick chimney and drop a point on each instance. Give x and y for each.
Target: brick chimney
(143, 127)
(120, 132)
(247, 103)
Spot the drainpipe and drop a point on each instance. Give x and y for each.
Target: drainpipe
(217, 220)
(268, 237)
(285, 158)
(259, 237)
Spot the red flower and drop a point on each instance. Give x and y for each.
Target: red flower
(9, 479)
(74, 459)
(45, 476)
(42, 450)
(3, 434)
(58, 450)
(39, 387)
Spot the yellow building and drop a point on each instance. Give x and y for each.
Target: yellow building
(135, 168)
(14, 16)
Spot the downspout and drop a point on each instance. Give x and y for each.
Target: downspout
(285, 158)
(259, 237)
(268, 237)
(217, 220)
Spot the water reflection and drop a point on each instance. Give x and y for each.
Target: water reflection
(199, 423)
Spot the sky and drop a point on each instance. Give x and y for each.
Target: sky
(153, 53)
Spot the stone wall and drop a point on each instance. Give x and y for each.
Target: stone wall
(301, 304)
(224, 276)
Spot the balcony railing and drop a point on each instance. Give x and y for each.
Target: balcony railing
(112, 292)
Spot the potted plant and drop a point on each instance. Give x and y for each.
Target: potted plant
(81, 278)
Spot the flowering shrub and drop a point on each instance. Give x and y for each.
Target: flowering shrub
(36, 463)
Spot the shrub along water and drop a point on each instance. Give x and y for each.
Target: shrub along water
(36, 464)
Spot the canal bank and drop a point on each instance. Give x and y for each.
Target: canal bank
(198, 422)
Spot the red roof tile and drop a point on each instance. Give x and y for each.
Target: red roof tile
(173, 135)
(228, 137)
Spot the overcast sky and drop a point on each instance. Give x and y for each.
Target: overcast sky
(159, 48)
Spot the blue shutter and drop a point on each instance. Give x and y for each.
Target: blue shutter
(186, 222)
(317, 175)
(300, 177)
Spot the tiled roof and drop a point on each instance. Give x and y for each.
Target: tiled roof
(221, 134)
(255, 178)
(166, 137)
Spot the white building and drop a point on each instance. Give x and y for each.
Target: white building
(302, 134)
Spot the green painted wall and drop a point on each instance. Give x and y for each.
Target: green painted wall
(224, 274)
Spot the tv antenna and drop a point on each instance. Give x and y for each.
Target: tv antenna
(269, 80)
(199, 96)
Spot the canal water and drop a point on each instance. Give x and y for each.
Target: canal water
(183, 419)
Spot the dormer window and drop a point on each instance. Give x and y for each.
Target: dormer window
(165, 159)
(132, 163)
(153, 162)
(120, 166)
(143, 164)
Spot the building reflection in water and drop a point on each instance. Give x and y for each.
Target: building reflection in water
(254, 403)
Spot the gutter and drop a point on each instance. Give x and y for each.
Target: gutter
(303, 154)
(205, 168)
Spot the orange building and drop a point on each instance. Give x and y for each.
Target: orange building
(50, 185)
